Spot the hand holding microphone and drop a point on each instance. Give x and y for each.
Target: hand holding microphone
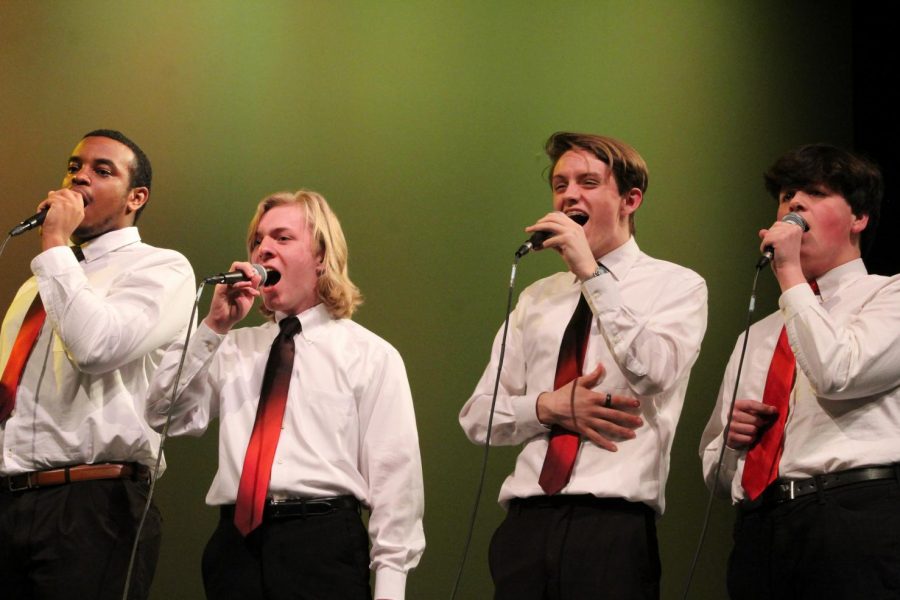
(231, 302)
(68, 212)
(537, 239)
(768, 250)
(266, 276)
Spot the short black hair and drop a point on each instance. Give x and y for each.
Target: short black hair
(140, 170)
(854, 177)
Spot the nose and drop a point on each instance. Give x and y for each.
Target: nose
(79, 177)
(798, 202)
(264, 249)
(567, 196)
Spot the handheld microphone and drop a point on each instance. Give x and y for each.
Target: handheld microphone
(769, 251)
(537, 239)
(28, 224)
(269, 276)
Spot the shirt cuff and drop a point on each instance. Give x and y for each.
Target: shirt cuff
(525, 409)
(796, 300)
(206, 338)
(390, 584)
(602, 293)
(53, 261)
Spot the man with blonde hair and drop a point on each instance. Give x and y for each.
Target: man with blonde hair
(312, 427)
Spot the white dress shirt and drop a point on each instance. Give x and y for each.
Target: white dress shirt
(349, 425)
(649, 320)
(109, 319)
(845, 404)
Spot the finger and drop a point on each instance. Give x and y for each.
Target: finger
(737, 442)
(624, 402)
(609, 429)
(744, 429)
(593, 378)
(621, 418)
(598, 440)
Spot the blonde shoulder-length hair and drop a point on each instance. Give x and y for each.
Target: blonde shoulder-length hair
(339, 295)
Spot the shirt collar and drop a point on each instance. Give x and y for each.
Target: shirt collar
(619, 261)
(109, 242)
(311, 320)
(838, 277)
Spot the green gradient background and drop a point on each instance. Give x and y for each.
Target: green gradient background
(423, 123)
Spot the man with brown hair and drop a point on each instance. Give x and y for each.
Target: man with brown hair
(596, 368)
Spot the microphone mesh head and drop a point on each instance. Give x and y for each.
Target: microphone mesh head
(797, 220)
(261, 271)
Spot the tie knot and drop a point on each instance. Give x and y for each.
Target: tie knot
(289, 327)
(78, 252)
(814, 286)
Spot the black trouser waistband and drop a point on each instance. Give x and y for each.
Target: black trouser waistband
(785, 490)
(299, 507)
(589, 500)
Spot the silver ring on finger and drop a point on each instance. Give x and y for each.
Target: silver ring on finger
(608, 403)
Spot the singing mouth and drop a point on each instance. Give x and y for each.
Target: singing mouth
(84, 196)
(578, 216)
(272, 277)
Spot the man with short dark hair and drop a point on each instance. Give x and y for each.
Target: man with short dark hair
(77, 348)
(596, 369)
(811, 456)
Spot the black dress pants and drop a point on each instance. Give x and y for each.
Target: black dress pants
(74, 541)
(576, 548)
(842, 543)
(316, 557)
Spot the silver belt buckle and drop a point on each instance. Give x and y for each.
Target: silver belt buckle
(791, 489)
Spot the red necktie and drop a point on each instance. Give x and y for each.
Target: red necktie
(22, 347)
(761, 464)
(18, 358)
(251, 495)
(564, 444)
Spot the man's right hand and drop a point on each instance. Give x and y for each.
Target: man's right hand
(231, 303)
(584, 411)
(748, 421)
(65, 211)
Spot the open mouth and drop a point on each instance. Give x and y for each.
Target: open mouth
(578, 216)
(272, 277)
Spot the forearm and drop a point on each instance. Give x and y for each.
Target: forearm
(654, 347)
(104, 328)
(193, 399)
(851, 358)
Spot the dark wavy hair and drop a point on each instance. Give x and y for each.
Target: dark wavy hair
(854, 177)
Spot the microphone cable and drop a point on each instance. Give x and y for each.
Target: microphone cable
(163, 436)
(3, 245)
(487, 440)
(725, 432)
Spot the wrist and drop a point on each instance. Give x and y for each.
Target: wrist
(597, 272)
(217, 326)
(543, 412)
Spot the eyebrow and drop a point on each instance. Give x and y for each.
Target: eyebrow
(276, 230)
(99, 161)
(580, 174)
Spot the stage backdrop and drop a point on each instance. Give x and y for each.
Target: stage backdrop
(423, 124)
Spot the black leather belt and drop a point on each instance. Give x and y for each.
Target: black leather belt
(785, 490)
(299, 507)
